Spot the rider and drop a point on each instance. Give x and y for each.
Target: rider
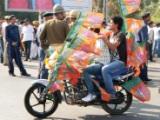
(116, 43)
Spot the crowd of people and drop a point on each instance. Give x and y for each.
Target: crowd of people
(25, 37)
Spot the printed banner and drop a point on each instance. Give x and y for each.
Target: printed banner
(31, 5)
(47, 5)
(82, 5)
(129, 6)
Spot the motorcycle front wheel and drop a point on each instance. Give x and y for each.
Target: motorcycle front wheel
(120, 106)
(37, 107)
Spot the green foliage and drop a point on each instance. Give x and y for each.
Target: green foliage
(151, 6)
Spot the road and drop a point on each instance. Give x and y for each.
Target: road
(12, 90)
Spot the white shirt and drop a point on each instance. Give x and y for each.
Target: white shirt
(104, 58)
(4, 25)
(28, 33)
(39, 31)
(156, 33)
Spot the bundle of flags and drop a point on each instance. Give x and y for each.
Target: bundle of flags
(129, 6)
(136, 52)
(138, 89)
(136, 57)
(78, 50)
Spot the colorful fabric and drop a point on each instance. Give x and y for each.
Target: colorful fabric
(138, 89)
(136, 52)
(129, 6)
(80, 42)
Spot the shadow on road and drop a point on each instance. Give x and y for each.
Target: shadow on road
(31, 66)
(138, 111)
(154, 83)
(153, 69)
(119, 117)
(54, 118)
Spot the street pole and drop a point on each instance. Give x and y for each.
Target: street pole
(105, 9)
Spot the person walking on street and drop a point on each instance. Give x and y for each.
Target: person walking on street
(144, 37)
(150, 41)
(13, 39)
(1, 41)
(156, 45)
(43, 73)
(5, 44)
(27, 37)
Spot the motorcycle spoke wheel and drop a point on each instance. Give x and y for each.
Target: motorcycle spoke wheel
(117, 109)
(37, 107)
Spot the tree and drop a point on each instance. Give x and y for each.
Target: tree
(97, 6)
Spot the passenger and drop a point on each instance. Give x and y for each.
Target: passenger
(95, 68)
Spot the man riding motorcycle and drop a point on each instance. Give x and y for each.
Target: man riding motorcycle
(116, 43)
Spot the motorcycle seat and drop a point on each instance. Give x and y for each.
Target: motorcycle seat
(125, 73)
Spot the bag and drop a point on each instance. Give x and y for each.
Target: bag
(34, 50)
(138, 89)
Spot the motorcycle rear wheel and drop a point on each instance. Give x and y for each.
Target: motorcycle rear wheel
(39, 108)
(112, 109)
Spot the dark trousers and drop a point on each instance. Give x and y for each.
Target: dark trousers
(27, 45)
(144, 73)
(1, 50)
(149, 47)
(43, 73)
(14, 53)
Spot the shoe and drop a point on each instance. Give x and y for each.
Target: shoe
(30, 60)
(152, 60)
(90, 97)
(25, 74)
(26, 60)
(5, 64)
(12, 74)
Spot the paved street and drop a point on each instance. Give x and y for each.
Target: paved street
(12, 92)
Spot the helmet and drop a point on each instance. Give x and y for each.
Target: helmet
(74, 14)
(58, 9)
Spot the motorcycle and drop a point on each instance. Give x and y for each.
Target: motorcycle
(43, 97)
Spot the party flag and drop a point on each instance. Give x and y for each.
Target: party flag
(129, 6)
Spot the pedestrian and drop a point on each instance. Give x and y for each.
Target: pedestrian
(73, 15)
(13, 39)
(55, 31)
(1, 41)
(144, 37)
(5, 53)
(43, 73)
(34, 44)
(150, 40)
(156, 46)
(27, 36)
